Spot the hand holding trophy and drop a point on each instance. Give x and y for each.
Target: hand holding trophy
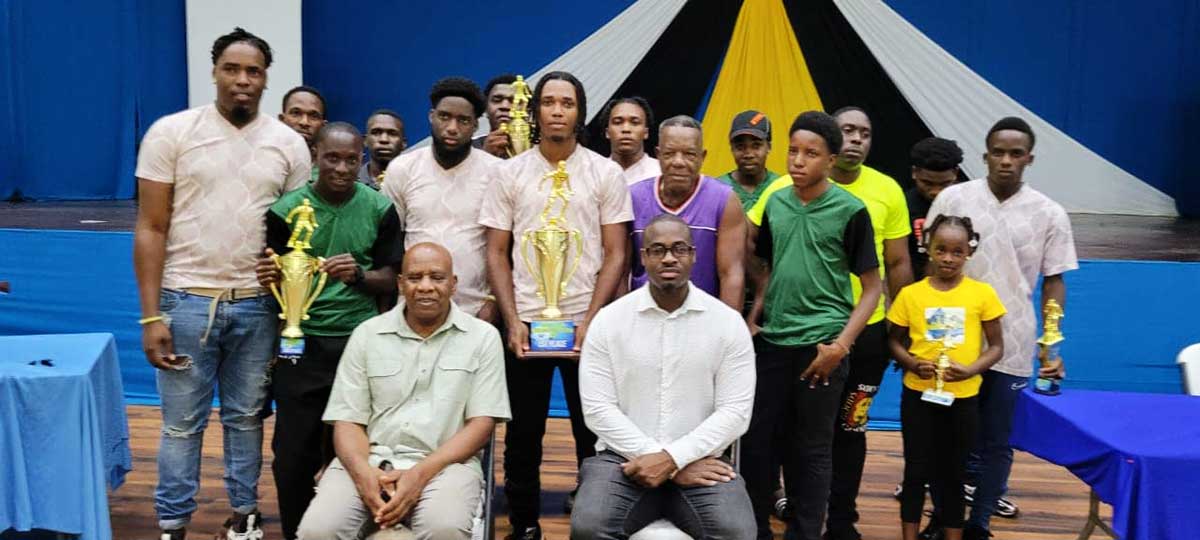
(1049, 348)
(938, 394)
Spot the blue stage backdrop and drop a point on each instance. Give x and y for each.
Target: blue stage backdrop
(80, 82)
(1125, 320)
(1105, 74)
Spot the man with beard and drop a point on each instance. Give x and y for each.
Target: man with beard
(627, 127)
(384, 141)
(711, 210)
(206, 177)
(599, 208)
(304, 111)
(438, 190)
(499, 95)
(359, 237)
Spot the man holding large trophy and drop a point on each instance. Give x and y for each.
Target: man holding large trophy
(561, 212)
(334, 246)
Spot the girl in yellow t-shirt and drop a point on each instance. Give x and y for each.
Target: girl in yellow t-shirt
(946, 309)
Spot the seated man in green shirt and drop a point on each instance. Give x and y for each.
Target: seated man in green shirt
(417, 395)
(811, 238)
(358, 233)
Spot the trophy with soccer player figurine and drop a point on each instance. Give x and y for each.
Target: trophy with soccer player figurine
(296, 291)
(938, 394)
(552, 335)
(518, 128)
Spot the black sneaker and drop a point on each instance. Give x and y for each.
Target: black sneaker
(975, 533)
(851, 534)
(932, 531)
(173, 534)
(1004, 507)
(242, 527)
(528, 533)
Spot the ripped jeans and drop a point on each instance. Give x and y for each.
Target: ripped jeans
(235, 357)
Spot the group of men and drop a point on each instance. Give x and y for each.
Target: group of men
(706, 310)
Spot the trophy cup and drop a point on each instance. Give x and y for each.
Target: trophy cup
(298, 291)
(938, 394)
(550, 334)
(518, 128)
(1049, 347)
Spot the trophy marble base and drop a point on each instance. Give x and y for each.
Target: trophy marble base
(1047, 387)
(936, 397)
(551, 338)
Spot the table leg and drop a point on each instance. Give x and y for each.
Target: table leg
(1093, 519)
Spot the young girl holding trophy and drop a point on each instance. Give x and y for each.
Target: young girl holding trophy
(939, 326)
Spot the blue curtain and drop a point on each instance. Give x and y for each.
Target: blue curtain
(1123, 82)
(80, 83)
(367, 54)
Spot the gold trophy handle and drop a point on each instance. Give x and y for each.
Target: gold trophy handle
(275, 289)
(320, 286)
(576, 235)
(525, 256)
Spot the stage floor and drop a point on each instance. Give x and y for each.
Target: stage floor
(1096, 236)
(1053, 502)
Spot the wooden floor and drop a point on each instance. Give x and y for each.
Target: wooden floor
(1053, 502)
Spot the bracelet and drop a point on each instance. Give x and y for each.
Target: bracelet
(153, 319)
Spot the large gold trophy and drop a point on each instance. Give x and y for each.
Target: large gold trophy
(518, 129)
(938, 394)
(298, 291)
(1049, 346)
(551, 334)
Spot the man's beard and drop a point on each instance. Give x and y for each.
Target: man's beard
(448, 153)
(241, 114)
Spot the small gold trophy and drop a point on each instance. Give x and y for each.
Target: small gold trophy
(1049, 347)
(298, 270)
(551, 334)
(518, 128)
(938, 394)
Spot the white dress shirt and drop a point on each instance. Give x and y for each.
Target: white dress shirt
(681, 381)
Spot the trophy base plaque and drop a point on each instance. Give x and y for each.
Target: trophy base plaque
(1047, 387)
(551, 338)
(938, 397)
(291, 349)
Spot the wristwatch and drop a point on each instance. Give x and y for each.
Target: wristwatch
(359, 275)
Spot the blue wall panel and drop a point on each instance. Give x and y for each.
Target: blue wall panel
(365, 55)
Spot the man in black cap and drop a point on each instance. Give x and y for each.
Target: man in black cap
(750, 142)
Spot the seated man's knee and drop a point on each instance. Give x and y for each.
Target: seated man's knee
(446, 524)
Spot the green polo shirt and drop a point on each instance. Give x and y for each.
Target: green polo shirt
(366, 227)
(748, 198)
(812, 250)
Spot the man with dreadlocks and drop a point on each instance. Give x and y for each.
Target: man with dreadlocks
(206, 177)
(1023, 234)
(600, 208)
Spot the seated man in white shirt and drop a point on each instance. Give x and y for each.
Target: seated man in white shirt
(418, 392)
(667, 384)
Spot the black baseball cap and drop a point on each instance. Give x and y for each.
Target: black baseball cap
(751, 123)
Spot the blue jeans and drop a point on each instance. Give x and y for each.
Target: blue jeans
(991, 460)
(236, 357)
(612, 506)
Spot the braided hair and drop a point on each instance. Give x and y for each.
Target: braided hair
(943, 219)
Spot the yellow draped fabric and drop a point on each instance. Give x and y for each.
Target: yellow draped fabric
(764, 70)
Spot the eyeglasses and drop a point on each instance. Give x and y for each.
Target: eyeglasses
(658, 251)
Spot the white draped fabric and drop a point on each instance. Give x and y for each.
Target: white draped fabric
(956, 103)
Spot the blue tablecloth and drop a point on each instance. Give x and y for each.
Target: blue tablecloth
(1139, 452)
(63, 433)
